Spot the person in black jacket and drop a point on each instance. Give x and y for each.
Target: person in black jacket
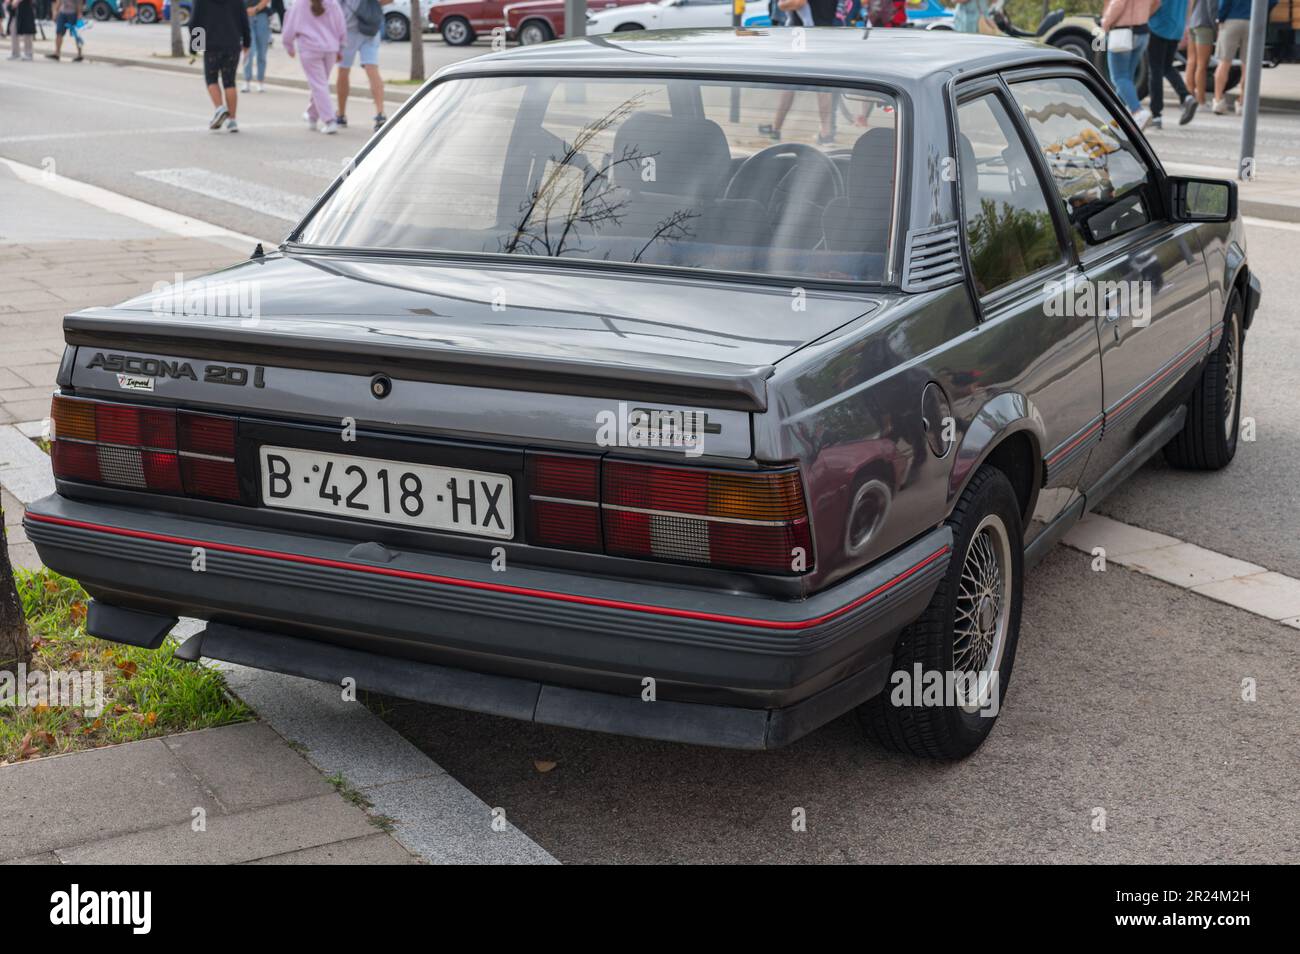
(219, 30)
(22, 26)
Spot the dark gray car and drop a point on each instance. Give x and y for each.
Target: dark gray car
(698, 386)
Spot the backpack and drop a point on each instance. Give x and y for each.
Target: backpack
(370, 16)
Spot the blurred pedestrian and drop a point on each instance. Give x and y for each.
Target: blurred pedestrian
(365, 21)
(1200, 41)
(886, 13)
(317, 31)
(969, 14)
(259, 29)
(22, 27)
(65, 20)
(805, 13)
(1127, 34)
(1167, 25)
(219, 30)
(1234, 42)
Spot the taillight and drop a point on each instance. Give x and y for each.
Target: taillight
(564, 498)
(143, 448)
(207, 446)
(730, 519)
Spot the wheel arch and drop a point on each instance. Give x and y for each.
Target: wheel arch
(1008, 433)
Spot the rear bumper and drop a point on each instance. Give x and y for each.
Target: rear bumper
(556, 647)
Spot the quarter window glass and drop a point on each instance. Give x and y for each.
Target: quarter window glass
(1008, 221)
(1098, 173)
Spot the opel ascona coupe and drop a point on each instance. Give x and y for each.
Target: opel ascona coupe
(697, 386)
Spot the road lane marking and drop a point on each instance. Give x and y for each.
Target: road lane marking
(1208, 573)
(253, 196)
(162, 219)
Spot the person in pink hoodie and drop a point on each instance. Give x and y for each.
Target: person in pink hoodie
(317, 30)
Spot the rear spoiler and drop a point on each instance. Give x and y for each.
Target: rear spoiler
(691, 382)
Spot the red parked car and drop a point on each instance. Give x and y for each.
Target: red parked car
(536, 21)
(461, 21)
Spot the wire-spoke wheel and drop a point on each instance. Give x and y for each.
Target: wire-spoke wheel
(1208, 440)
(966, 635)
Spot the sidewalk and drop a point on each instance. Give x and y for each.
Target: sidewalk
(236, 794)
(65, 245)
(130, 44)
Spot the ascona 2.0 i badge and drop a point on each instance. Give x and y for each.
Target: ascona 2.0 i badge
(612, 390)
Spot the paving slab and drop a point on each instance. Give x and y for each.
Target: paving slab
(376, 850)
(230, 839)
(71, 799)
(232, 766)
(1271, 595)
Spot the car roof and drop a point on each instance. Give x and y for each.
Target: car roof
(904, 57)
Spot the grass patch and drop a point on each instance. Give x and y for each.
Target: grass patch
(147, 693)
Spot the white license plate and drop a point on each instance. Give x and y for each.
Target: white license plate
(389, 491)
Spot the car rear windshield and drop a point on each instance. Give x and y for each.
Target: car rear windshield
(766, 178)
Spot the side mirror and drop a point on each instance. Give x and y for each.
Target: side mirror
(1201, 200)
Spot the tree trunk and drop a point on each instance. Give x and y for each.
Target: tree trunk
(417, 42)
(177, 49)
(15, 644)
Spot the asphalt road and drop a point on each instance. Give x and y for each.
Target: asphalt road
(1126, 695)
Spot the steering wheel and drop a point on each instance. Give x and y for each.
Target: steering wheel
(754, 180)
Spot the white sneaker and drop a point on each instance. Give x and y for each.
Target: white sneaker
(1142, 117)
(218, 117)
(311, 123)
(245, 88)
(329, 128)
(1238, 107)
(1220, 107)
(261, 87)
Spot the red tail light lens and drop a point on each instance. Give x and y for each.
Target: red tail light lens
(143, 448)
(732, 519)
(207, 446)
(564, 493)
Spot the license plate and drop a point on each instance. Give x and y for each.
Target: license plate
(388, 491)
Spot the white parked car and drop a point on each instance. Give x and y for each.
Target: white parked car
(669, 15)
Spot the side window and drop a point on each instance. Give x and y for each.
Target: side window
(1102, 180)
(1008, 221)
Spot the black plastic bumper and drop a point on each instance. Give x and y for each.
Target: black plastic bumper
(561, 648)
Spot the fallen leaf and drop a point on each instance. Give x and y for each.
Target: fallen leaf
(74, 657)
(118, 710)
(94, 726)
(46, 737)
(543, 766)
(77, 613)
(127, 666)
(25, 748)
(51, 586)
(150, 718)
(40, 708)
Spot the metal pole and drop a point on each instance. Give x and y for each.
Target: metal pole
(1250, 103)
(575, 18)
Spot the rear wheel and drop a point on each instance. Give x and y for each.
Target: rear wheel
(456, 31)
(148, 13)
(1208, 440)
(969, 630)
(534, 32)
(1074, 43)
(101, 10)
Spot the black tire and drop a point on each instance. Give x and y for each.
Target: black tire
(101, 11)
(628, 27)
(456, 31)
(146, 13)
(1208, 440)
(1075, 43)
(397, 29)
(952, 731)
(533, 32)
